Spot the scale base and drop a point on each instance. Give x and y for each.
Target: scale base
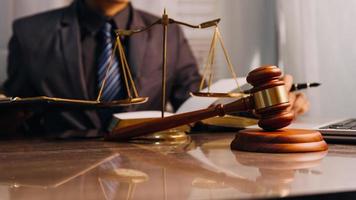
(279, 141)
(170, 136)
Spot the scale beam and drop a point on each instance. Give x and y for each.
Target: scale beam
(211, 23)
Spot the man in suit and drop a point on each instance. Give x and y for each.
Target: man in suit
(59, 54)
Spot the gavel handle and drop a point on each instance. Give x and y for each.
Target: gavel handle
(173, 121)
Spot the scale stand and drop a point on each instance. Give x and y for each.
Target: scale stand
(176, 133)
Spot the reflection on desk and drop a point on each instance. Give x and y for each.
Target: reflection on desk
(202, 168)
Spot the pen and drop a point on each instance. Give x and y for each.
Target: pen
(299, 86)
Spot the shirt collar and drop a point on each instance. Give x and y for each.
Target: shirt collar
(93, 21)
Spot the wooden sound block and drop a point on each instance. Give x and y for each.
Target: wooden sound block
(279, 141)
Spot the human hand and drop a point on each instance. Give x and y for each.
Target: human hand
(299, 102)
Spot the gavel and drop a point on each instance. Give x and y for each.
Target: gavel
(268, 99)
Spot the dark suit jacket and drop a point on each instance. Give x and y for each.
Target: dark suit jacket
(45, 59)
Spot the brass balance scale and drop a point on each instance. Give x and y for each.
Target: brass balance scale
(174, 134)
(267, 98)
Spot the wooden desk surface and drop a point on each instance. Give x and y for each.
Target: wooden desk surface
(204, 168)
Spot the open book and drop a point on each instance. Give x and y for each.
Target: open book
(192, 104)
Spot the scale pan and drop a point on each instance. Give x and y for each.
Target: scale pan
(42, 102)
(218, 95)
(124, 102)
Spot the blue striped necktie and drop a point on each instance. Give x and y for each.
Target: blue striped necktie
(113, 88)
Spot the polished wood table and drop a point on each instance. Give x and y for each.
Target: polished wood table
(203, 167)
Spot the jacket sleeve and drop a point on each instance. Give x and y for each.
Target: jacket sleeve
(16, 83)
(187, 77)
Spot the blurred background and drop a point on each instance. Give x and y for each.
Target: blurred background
(312, 40)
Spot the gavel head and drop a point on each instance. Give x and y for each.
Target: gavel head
(270, 98)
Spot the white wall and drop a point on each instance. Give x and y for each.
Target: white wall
(317, 43)
(251, 33)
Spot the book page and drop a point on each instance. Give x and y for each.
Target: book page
(141, 114)
(221, 86)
